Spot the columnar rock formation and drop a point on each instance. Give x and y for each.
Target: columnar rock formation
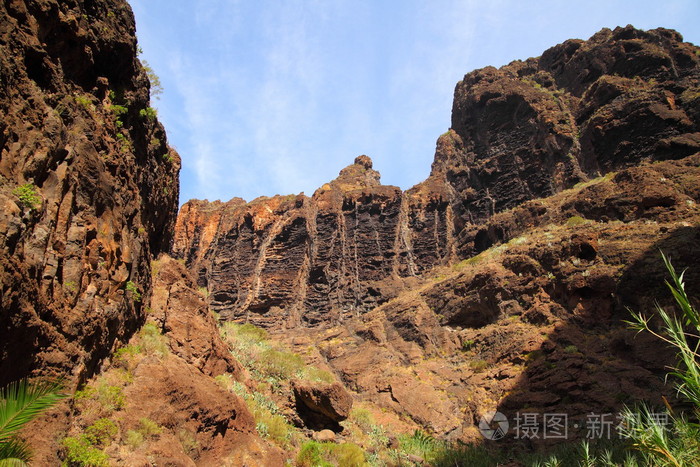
(298, 259)
(527, 130)
(88, 185)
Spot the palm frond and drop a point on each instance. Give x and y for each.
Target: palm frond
(14, 453)
(22, 401)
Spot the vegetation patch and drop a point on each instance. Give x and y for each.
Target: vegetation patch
(28, 196)
(315, 454)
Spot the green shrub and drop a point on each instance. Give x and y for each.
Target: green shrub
(148, 428)
(156, 86)
(133, 290)
(118, 110)
(101, 432)
(347, 454)
(28, 196)
(152, 341)
(311, 373)
(111, 397)
(571, 349)
(478, 365)
(362, 418)
(125, 144)
(573, 221)
(108, 397)
(247, 332)
(315, 454)
(149, 113)
(79, 452)
(279, 364)
(468, 344)
(188, 441)
(84, 102)
(123, 357)
(310, 455)
(269, 422)
(133, 439)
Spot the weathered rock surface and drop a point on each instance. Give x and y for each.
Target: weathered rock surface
(295, 260)
(584, 108)
(99, 196)
(89, 194)
(528, 130)
(184, 318)
(536, 320)
(322, 405)
(166, 377)
(560, 179)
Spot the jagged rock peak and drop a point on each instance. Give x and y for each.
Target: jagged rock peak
(357, 175)
(364, 161)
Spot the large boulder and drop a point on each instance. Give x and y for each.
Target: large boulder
(322, 405)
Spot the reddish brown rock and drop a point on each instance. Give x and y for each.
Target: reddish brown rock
(103, 179)
(528, 130)
(183, 316)
(289, 261)
(322, 404)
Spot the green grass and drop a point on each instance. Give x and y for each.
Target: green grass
(315, 454)
(152, 341)
(268, 363)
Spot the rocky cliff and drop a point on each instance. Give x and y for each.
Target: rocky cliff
(297, 260)
(502, 281)
(88, 186)
(525, 131)
(89, 195)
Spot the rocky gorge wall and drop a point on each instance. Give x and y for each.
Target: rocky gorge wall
(88, 186)
(290, 260)
(525, 131)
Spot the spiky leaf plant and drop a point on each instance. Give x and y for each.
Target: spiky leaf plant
(680, 445)
(20, 403)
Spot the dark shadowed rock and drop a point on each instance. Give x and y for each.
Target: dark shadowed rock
(322, 404)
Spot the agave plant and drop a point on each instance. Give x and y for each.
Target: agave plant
(20, 403)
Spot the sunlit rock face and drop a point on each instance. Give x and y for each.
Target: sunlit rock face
(299, 260)
(88, 185)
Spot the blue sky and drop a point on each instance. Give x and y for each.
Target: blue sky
(275, 97)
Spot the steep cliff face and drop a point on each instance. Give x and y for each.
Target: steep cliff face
(583, 109)
(286, 261)
(525, 131)
(88, 185)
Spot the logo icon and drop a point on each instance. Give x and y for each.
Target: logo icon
(493, 426)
